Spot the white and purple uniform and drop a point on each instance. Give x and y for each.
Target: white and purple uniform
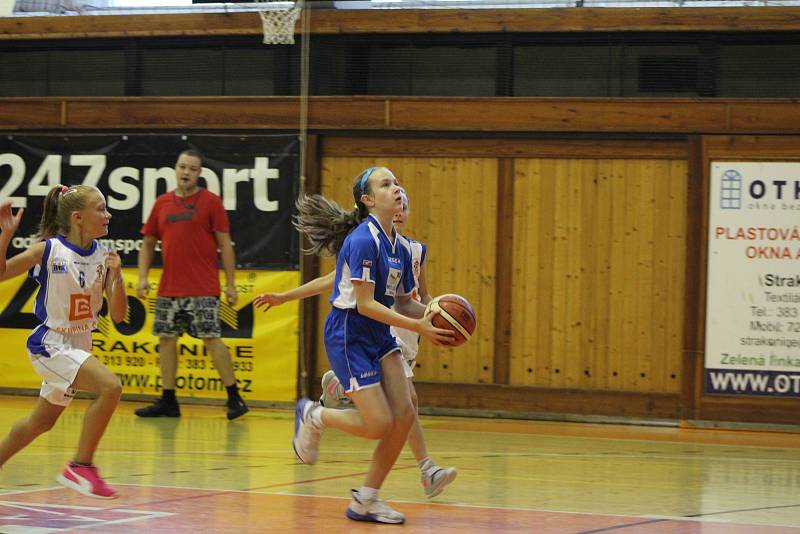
(70, 297)
(355, 343)
(408, 340)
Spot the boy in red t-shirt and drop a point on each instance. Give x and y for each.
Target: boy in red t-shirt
(191, 223)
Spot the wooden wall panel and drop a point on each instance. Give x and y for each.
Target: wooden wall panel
(558, 115)
(223, 112)
(491, 400)
(383, 21)
(594, 241)
(31, 113)
(453, 211)
(503, 147)
(677, 237)
(421, 114)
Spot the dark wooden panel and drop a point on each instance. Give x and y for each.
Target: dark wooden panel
(694, 293)
(24, 113)
(510, 401)
(560, 115)
(385, 21)
(504, 270)
(749, 409)
(267, 113)
(65, 27)
(761, 116)
(751, 147)
(545, 400)
(309, 269)
(504, 147)
(611, 20)
(523, 115)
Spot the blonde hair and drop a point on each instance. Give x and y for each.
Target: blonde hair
(59, 204)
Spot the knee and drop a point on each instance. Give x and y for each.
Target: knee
(216, 347)
(380, 428)
(404, 417)
(44, 426)
(40, 425)
(111, 388)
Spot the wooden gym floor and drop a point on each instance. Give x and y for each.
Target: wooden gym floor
(203, 474)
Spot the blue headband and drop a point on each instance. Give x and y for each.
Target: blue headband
(364, 177)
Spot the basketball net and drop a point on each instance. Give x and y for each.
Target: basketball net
(278, 24)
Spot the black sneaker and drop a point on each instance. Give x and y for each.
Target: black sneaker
(160, 408)
(236, 408)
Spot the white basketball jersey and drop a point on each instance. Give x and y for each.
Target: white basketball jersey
(409, 341)
(71, 289)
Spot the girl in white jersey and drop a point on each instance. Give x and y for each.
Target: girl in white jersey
(433, 478)
(73, 270)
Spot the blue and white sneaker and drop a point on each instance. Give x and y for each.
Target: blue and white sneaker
(372, 510)
(306, 435)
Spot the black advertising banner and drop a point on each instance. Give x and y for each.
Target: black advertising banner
(256, 176)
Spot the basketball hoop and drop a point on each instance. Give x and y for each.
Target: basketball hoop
(278, 22)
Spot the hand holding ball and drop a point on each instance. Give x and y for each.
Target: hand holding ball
(455, 313)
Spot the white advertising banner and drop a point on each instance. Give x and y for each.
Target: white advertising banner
(753, 299)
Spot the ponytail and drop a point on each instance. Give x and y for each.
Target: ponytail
(48, 227)
(325, 224)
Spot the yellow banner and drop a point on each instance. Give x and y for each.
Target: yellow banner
(263, 346)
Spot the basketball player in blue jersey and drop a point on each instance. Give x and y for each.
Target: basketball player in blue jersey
(73, 271)
(433, 478)
(373, 274)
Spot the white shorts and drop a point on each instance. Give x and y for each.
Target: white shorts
(58, 371)
(409, 367)
(409, 347)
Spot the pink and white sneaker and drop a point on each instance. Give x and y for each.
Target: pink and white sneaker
(86, 479)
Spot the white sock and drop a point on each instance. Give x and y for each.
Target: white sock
(367, 494)
(316, 417)
(425, 464)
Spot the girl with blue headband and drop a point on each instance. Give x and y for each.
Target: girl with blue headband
(372, 291)
(434, 479)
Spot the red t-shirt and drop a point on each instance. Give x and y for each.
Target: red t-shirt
(186, 226)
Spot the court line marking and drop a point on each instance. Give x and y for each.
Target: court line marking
(21, 492)
(211, 492)
(654, 439)
(215, 493)
(143, 515)
(618, 527)
(758, 509)
(648, 517)
(464, 454)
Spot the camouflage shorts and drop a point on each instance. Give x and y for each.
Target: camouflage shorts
(197, 316)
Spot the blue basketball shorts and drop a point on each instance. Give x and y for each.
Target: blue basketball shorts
(356, 345)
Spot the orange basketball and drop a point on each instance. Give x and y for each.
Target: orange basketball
(454, 313)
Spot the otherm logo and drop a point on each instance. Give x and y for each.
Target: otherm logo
(762, 193)
(730, 192)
